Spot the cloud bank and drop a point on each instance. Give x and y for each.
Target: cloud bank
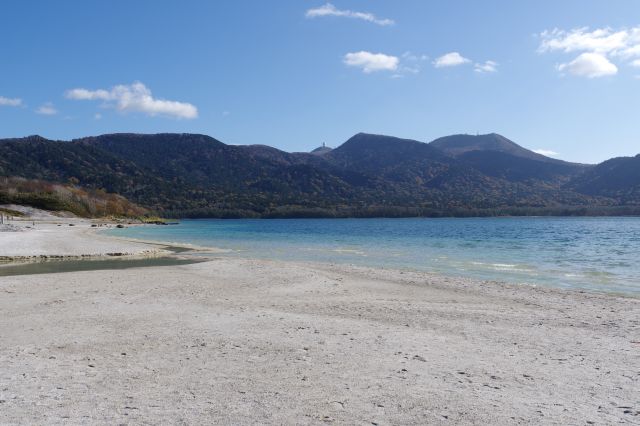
(598, 49)
(409, 63)
(135, 97)
(624, 43)
(330, 10)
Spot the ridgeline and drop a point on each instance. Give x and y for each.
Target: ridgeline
(190, 175)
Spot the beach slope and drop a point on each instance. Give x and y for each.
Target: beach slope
(241, 341)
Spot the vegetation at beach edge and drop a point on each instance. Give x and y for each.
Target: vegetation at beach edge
(83, 202)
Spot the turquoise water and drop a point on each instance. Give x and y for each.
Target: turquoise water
(600, 254)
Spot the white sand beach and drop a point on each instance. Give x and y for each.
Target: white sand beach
(68, 238)
(244, 341)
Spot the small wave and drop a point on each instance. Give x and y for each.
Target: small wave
(502, 265)
(497, 268)
(350, 251)
(505, 267)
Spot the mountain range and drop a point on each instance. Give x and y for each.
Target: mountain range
(191, 175)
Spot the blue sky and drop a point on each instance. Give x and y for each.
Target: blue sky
(560, 76)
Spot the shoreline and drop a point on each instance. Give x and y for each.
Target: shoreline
(127, 252)
(248, 341)
(72, 239)
(400, 270)
(66, 238)
(152, 249)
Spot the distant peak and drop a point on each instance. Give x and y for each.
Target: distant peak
(322, 149)
(35, 138)
(377, 138)
(371, 135)
(457, 145)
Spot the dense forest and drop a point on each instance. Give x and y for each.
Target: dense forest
(188, 175)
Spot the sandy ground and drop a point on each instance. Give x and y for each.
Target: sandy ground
(234, 341)
(51, 237)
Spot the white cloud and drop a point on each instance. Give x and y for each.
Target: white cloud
(98, 116)
(14, 102)
(590, 65)
(371, 62)
(409, 63)
(599, 48)
(136, 97)
(47, 109)
(90, 95)
(636, 63)
(330, 10)
(602, 40)
(414, 57)
(451, 59)
(410, 70)
(486, 67)
(546, 152)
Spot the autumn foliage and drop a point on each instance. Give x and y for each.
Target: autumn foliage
(66, 197)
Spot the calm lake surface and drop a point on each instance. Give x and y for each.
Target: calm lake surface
(601, 254)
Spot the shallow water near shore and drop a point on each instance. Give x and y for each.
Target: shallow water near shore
(598, 254)
(57, 266)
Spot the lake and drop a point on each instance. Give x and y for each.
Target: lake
(601, 254)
